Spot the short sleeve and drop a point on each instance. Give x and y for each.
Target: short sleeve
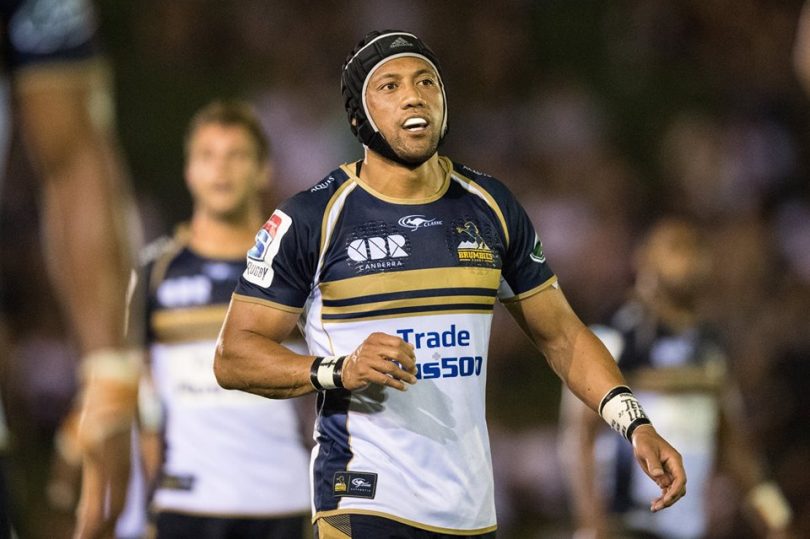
(281, 263)
(525, 269)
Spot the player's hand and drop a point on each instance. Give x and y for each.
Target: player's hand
(381, 359)
(107, 405)
(105, 477)
(662, 463)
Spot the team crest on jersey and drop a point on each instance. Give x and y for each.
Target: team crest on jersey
(537, 252)
(472, 247)
(355, 484)
(259, 269)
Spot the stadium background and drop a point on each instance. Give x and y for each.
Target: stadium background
(599, 115)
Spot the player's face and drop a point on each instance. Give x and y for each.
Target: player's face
(404, 99)
(223, 170)
(681, 261)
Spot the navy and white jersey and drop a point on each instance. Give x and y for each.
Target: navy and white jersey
(688, 419)
(353, 261)
(227, 453)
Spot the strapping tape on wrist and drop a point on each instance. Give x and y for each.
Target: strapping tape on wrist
(123, 366)
(621, 410)
(327, 372)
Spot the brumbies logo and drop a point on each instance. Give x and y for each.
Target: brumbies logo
(473, 248)
(259, 269)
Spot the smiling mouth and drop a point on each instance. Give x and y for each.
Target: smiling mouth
(415, 124)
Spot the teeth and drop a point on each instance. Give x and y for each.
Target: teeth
(414, 122)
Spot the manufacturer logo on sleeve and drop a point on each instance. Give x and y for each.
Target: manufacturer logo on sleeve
(355, 484)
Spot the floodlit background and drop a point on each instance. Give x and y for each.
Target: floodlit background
(601, 116)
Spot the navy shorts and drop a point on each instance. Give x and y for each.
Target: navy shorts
(179, 526)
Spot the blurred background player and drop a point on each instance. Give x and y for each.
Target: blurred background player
(60, 91)
(678, 367)
(225, 464)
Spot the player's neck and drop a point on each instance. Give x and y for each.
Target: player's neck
(223, 237)
(397, 181)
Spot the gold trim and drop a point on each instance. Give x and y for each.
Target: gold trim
(444, 163)
(488, 198)
(325, 219)
(435, 529)
(408, 302)
(402, 281)
(533, 291)
(406, 315)
(186, 325)
(267, 303)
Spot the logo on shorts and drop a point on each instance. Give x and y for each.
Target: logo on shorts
(355, 484)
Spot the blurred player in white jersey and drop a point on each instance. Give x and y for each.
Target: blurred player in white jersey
(61, 93)
(224, 464)
(677, 365)
(392, 266)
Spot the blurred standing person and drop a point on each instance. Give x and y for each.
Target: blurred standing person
(678, 367)
(234, 464)
(61, 93)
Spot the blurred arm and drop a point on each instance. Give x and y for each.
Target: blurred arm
(579, 427)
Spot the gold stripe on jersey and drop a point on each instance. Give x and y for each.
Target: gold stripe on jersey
(326, 231)
(267, 303)
(408, 302)
(435, 529)
(425, 312)
(445, 164)
(477, 190)
(188, 325)
(412, 280)
(533, 291)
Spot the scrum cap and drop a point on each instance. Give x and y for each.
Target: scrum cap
(375, 49)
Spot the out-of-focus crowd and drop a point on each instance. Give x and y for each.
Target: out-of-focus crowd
(600, 116)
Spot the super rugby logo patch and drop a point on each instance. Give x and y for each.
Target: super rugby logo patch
(259, 269)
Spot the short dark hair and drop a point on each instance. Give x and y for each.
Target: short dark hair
(230, 113)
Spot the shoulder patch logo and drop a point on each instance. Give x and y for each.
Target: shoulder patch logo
(259, 269)
(537, 253)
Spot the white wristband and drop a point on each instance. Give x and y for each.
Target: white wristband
(122, 366)
(622, 411)
(327, 372)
